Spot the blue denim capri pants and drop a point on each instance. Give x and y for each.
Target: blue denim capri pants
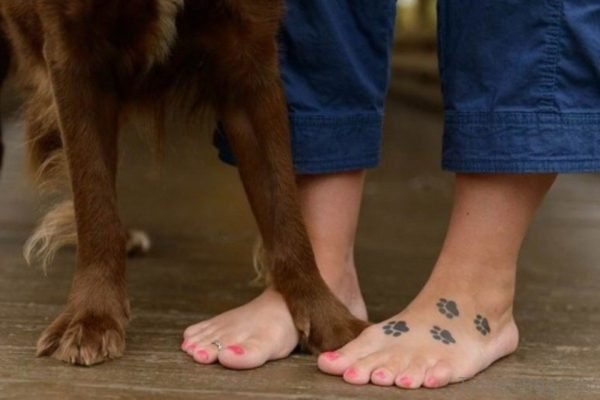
(335, 61)
(521, 85)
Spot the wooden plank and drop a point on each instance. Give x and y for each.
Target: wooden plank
(200, 267)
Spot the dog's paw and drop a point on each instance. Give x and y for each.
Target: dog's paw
(138, 243)
(83, 339)
(325, 324)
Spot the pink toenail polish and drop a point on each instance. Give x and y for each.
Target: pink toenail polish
(191, 347)
(380, 375)
(431, 382)
(236, 350)
(331, 356)
(202, 355)
(405, 381)
(351, 373)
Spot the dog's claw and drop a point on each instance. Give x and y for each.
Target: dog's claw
(86, 339)
(47, 344)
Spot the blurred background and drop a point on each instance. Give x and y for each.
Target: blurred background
(415, 68)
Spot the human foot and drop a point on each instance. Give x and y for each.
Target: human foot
(263, 329)
(449, 333)
(252, 334)
(257, 332)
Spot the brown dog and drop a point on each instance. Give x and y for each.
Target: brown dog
(86, 64)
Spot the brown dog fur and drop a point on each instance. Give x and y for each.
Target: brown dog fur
(84, 64)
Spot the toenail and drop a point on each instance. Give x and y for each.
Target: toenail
(431, 382)
(351, 373)
(203, 355)
(406, 381)
(331, 356)
(238, 350)
(380, 375)
(191, 347)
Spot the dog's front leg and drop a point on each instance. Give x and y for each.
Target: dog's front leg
(91, 328)
(257, 127)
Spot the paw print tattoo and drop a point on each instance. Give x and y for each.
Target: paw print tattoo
(395, 328)
(448, 308)
(482, 325)
(442, 335)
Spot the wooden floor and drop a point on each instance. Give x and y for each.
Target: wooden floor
(200, 266)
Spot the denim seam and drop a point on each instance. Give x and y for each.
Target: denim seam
(542, 166)
(363, 156)
(552, 56)
(532, 160)
(488, 128)
(320, 166)
(335, 118)
(521, 118)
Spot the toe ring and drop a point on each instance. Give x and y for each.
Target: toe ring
(217, 344)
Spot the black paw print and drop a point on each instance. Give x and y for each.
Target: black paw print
(395, 328)
(442, 335)
(448, 308)
(482, 325)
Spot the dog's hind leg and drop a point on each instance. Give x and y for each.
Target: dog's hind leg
(91, 329)
(256, 122)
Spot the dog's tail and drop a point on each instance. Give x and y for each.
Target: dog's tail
(56, 230)
(48, 164)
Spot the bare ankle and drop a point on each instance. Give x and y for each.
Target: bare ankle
(343, 282)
